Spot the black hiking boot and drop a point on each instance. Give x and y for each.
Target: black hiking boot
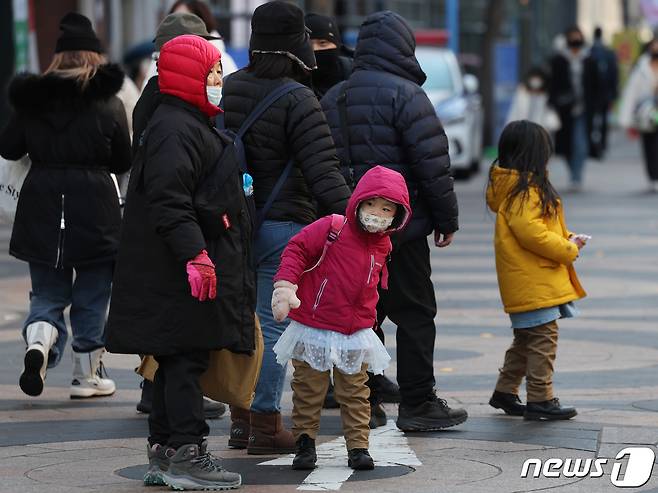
(432, 415)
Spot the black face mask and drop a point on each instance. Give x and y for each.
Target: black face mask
(329, 71)
(575, 43)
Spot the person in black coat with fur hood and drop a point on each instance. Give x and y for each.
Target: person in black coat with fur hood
(74, 129)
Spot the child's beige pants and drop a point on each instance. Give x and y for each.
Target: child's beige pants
(309, 388)
(531, 355)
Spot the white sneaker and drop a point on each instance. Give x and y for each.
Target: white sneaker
(87, 376)
(40, 336)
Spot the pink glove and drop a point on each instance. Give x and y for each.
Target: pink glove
(284, 298)
(202, 278)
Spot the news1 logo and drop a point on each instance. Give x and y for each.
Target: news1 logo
(639, 465)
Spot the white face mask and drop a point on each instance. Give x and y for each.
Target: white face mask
(214, 94)
(374, 224)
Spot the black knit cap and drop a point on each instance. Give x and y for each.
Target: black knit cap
(77, 34)
(278, 27)
(323, 27)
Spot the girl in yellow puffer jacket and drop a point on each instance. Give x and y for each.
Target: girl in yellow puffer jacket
(534, 262)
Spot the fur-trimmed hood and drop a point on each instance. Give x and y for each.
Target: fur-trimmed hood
(30, 92)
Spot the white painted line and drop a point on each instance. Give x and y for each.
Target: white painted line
(388, 447)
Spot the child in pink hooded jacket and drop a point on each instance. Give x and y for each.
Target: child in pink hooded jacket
(328, 288)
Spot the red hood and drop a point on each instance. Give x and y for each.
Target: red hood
(380, 182)
(183, 68)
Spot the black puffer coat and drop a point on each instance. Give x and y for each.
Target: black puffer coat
(392, 123)
(294, 126)
(152, 310)
(68, 211)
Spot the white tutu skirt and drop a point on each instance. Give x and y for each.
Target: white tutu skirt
(325, 349)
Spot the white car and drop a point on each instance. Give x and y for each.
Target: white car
(458, 104)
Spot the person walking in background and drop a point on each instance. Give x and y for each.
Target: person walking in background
(333, 63)
(173, 25)
(333, 302)
(292, 128)
(573, 83)
(381, 115)
(201, 9)
(535, 253)
(531, 101)
(75, 131)
(638, 111)
(606, 92)
(181, 290)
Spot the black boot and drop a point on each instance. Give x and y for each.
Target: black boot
(330, 399)
(432, 415)
(548, 411)
(211, 409)
(359, 459)
(377, 414)
(387, 390)
(510, 403)
(146, 400)
(305, 457)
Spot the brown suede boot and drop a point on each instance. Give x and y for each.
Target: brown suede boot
(268, 436)
(239, 436)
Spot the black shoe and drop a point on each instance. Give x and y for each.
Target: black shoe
(146, 401)
(305, 457)
(330, 399)
(384, 388)
(432, 415)
(548, 411)
(211, 409)
(377, 415)
(359, 459)
(510, 403)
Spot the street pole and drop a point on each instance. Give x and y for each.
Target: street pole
(452, 24)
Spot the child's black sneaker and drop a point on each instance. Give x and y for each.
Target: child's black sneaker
(305, 457)
(359, 459)
(510, 403)
(548, 411)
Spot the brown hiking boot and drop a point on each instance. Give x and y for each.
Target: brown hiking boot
(239, 435)
(268, 436)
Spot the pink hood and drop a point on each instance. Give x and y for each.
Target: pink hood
(341, 293)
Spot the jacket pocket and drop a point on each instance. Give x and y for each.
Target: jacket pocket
(318, 296)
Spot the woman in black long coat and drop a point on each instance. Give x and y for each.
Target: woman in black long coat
(74, 129)
(182, 289)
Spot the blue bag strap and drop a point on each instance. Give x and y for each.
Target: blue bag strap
(265, 103)
(273, 194)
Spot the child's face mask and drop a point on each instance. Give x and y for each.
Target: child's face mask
(376, 215)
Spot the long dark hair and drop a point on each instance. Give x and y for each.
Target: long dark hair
(526, 147)
(276, 66)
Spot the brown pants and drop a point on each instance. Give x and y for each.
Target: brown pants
(309, 388)
(531, 355)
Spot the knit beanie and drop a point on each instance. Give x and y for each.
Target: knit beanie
(278, 27)
(77, 34)
(323, 27)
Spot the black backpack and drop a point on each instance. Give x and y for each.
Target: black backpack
(213, 187)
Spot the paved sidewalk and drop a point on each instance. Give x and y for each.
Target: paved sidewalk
(607, 367)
